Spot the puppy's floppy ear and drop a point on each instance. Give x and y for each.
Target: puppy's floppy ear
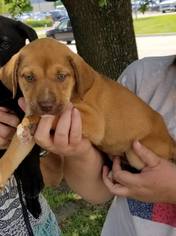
(8, 73)
(84, 74)
(26, 31)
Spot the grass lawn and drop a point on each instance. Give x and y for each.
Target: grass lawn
(75, 216)
(155, 24)
(150, 25)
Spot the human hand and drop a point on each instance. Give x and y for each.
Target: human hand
(67, 139)
(8, 124)
(21, 103)
(155, 183)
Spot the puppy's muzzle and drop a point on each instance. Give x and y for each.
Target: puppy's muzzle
(46, 102)
(46, 106)
(49, 107)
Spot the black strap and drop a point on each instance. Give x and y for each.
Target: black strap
(24, 209)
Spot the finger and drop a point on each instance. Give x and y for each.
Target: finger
(122, 176)
(21, 103)
(76, 128)
(107, 172)
(146, 155)
(6, 132)
(62, 131)
(114, 188)
(107, 177)
(116, 164)
(126, 178)
(9, 119)
(42, 135)
(5, 109)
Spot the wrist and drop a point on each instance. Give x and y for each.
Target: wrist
(82, 155)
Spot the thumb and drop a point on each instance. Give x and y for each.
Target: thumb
(21, 103)
(146, 155)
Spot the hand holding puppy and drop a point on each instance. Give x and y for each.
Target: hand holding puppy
(155, 183)
(67, 139)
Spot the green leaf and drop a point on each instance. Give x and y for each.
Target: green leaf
(103, 3)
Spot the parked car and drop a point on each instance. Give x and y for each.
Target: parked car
(62, 31)
(24, 16)
(57, 14)
(167, 6)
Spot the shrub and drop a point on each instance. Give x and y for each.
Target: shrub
(39, 23)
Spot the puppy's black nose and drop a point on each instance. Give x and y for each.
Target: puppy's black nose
(46, 106)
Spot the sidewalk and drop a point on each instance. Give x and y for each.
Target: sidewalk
(152, 45)
(156, 45)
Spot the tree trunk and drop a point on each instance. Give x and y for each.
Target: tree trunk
(104, 35)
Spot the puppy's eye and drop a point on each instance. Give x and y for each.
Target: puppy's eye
(29, 78)
(61, 77)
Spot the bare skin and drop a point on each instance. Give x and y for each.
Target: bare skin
(8, 124)
(156, 182)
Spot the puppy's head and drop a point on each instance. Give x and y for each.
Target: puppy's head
(49, 75)
(13, 37)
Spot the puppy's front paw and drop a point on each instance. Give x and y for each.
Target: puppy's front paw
(26, 128)
(24, 133)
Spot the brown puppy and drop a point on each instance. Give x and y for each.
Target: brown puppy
(50, 75)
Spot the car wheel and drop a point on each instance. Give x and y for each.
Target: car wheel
(68, 42)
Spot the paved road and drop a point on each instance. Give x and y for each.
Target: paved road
(152, 45)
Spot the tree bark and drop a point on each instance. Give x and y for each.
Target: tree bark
(104, 35)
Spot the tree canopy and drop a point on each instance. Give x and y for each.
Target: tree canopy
(16, 7)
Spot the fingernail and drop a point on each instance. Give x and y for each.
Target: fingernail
(69, 106)
(137, 144)
(75, 110)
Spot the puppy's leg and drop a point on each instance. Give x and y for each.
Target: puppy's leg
(52, 169)
(20, 146)
(161, 147)
(14, 155)
(134, 160)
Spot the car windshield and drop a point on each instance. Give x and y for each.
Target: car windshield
(63, 25)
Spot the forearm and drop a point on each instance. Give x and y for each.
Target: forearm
(84, 176)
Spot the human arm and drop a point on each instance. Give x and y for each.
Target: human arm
(155, 183)
(82, 162)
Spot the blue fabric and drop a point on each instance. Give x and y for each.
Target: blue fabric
(141, 209)
(49, 227)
